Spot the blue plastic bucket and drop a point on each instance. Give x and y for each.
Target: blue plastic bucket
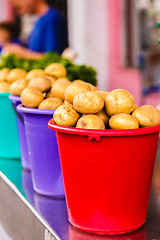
(9, 140)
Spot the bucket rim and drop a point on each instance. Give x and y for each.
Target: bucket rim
(15, 98)
(106, 132)
(21, 108)
(5, 94)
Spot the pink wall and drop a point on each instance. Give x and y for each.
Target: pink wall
(5, 10)
(120, 77)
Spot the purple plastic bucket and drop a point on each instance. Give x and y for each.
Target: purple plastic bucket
(15, 99)
(43, 151)
(22, 135)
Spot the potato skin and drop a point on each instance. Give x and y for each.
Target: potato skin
(119, 101)
(3, 74)
(4, 87)
(15, 74)
(88, 102)
(66, 115)
(51, 78)
(78, 80)
(34, 73)
(135, 107)
(103, 116)
(42, 83)
(49, 94)
(66, 103)
(59, 87)
(147, 116)
(123, 121)
(31, 97)
(44, 94)
(93, 88)
(90, 122)
(50, 103)
(75, 88)
(103, 94)
(56, 69)
(18, 86)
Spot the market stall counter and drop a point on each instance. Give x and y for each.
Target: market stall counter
(24, 214)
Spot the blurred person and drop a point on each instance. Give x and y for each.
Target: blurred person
(8, 33)
(27, 23)
(48, 34)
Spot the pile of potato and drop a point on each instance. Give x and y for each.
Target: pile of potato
(92, 109)
(7, 77)
(77, 104)
(38, 88)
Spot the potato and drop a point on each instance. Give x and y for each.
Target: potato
(56, 70)
(49, 94)
(88, 102)
(135, 107)
(18, 86)
(51, 78)
(50, 103)
(42, 83)
(103, 94)
(66, 103)
(74, 88)
(119, 101)
(4, 87)
(90, 122)
(66, 115)
(15, 74)
(147, 116)
(93, 88)
(78, 80)
(123, 121)
(34, 73)
(59, 87)
(44, 94)
(31, 97)
(3, 74)
(103, 116)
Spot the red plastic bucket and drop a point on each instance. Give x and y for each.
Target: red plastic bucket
(107, 176)
(76, 234)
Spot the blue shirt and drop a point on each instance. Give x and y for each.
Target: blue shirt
(49, 33)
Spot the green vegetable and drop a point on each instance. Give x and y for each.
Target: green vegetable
(74, 71)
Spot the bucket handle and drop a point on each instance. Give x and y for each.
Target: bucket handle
(94, 137)
(18, 115)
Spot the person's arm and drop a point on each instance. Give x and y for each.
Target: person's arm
(22, 51)
(69, 53)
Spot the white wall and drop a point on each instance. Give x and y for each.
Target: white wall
(143, 3)
(88, 33)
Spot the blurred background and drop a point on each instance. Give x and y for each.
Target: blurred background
(119, 38)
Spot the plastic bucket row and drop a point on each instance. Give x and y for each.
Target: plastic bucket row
(107, 174)
(38, 146)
